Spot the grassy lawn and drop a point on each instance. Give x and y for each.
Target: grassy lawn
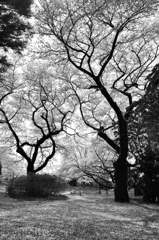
(90, 216)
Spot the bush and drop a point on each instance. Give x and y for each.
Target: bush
(35, 186)
(73, 182)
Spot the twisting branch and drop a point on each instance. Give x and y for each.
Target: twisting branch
(42, 143)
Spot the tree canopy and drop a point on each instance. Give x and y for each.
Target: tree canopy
(109, 47)
(13, 28)
(23, 7)
(144, 136)
(143, 122)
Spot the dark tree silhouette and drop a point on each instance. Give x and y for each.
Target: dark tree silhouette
(96, 38)
(48, 119)
(144, 136)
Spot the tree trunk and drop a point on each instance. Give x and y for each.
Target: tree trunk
(30, 187)
(138, 191)
(121, 166)
(121, 177)
(30, 169)
(150, 189)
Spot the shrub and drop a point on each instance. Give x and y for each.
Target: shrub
(35, 186)
(73, 182)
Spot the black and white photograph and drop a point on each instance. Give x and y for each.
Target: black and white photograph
(79, 119)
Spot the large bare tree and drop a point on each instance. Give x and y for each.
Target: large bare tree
(110, 46)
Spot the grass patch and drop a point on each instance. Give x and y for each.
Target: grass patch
(87, 217)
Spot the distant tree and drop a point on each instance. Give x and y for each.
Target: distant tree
(89, 161)
(109, 47)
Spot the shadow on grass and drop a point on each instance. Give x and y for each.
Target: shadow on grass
(50, 198)
(140, 203)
